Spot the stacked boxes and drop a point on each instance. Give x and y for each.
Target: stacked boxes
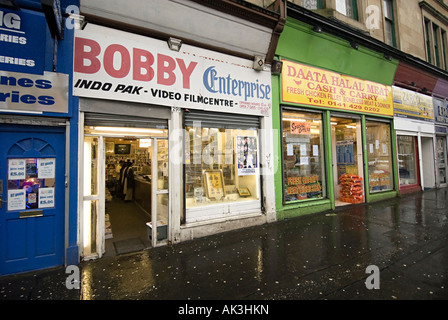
(351, 188)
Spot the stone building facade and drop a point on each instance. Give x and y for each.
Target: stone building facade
(415, 27)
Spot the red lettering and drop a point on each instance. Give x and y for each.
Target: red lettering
(165, 66)
(140, 65)
(291, 71)
(125, 64)
(117, 63)
(83, 54)
(186, 72)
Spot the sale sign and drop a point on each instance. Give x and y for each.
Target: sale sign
(300, 127)
(321, 88)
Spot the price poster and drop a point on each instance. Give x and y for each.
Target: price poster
(17, 169)
(46, 197)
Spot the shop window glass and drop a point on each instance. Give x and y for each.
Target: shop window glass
(442, 159)
(379, 156)
(312, 4)
(303, 156)
(221, 166)
(407, 165)
(348, 8)
(31, 183)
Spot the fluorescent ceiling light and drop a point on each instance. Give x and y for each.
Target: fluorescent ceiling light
(115, 130)
(294, 119)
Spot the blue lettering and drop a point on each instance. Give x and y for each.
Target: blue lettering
(226, 85)
(209, 79)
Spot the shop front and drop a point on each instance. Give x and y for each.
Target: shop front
(335, 114)
(441, 130)
(179, 142)
(414, 125)
(35, 217)
(336, 144)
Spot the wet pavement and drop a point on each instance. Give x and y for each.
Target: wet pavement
(319, 256)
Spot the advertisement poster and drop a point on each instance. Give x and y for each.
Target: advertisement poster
(246, 153)
(16, 199)
(410, 104)
(46, 168)
(321, 88)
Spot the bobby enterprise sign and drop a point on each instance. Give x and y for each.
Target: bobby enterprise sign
(116, 65)
(36, 93)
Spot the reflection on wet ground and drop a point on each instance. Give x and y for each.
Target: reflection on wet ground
(321, 256)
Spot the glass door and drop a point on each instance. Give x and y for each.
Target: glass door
(160, 199)
(347, 160)
(407, 160)
(93, 196)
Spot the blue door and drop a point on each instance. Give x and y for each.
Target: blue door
(32, 190)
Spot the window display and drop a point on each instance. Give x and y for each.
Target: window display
(379, 156)
(303, 156)
(221, 166)
(407, 157)
(31, 183)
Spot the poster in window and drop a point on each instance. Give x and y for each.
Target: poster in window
(246, 154)
(214, 184)
(17, 169)
(299, 127)
(46, 168)
(46, 197)
(16, 199)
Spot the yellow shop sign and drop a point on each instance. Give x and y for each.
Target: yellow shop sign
(321, 88)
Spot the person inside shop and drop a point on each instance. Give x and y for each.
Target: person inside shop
(128, 181)
(119, 169)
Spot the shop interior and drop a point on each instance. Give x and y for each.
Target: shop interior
(407, 160)
(347, 159)
(128, 193)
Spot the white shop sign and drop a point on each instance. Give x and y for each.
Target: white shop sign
(116, 65)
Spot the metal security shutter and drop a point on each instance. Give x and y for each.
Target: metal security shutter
(113, 120)
(221, 120)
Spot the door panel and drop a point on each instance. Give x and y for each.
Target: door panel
(348, 169)
(32, 225)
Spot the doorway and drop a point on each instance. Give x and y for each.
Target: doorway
(347, 160)
(125, 185)
(408, 163)
(32, 198)
(427, 162)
